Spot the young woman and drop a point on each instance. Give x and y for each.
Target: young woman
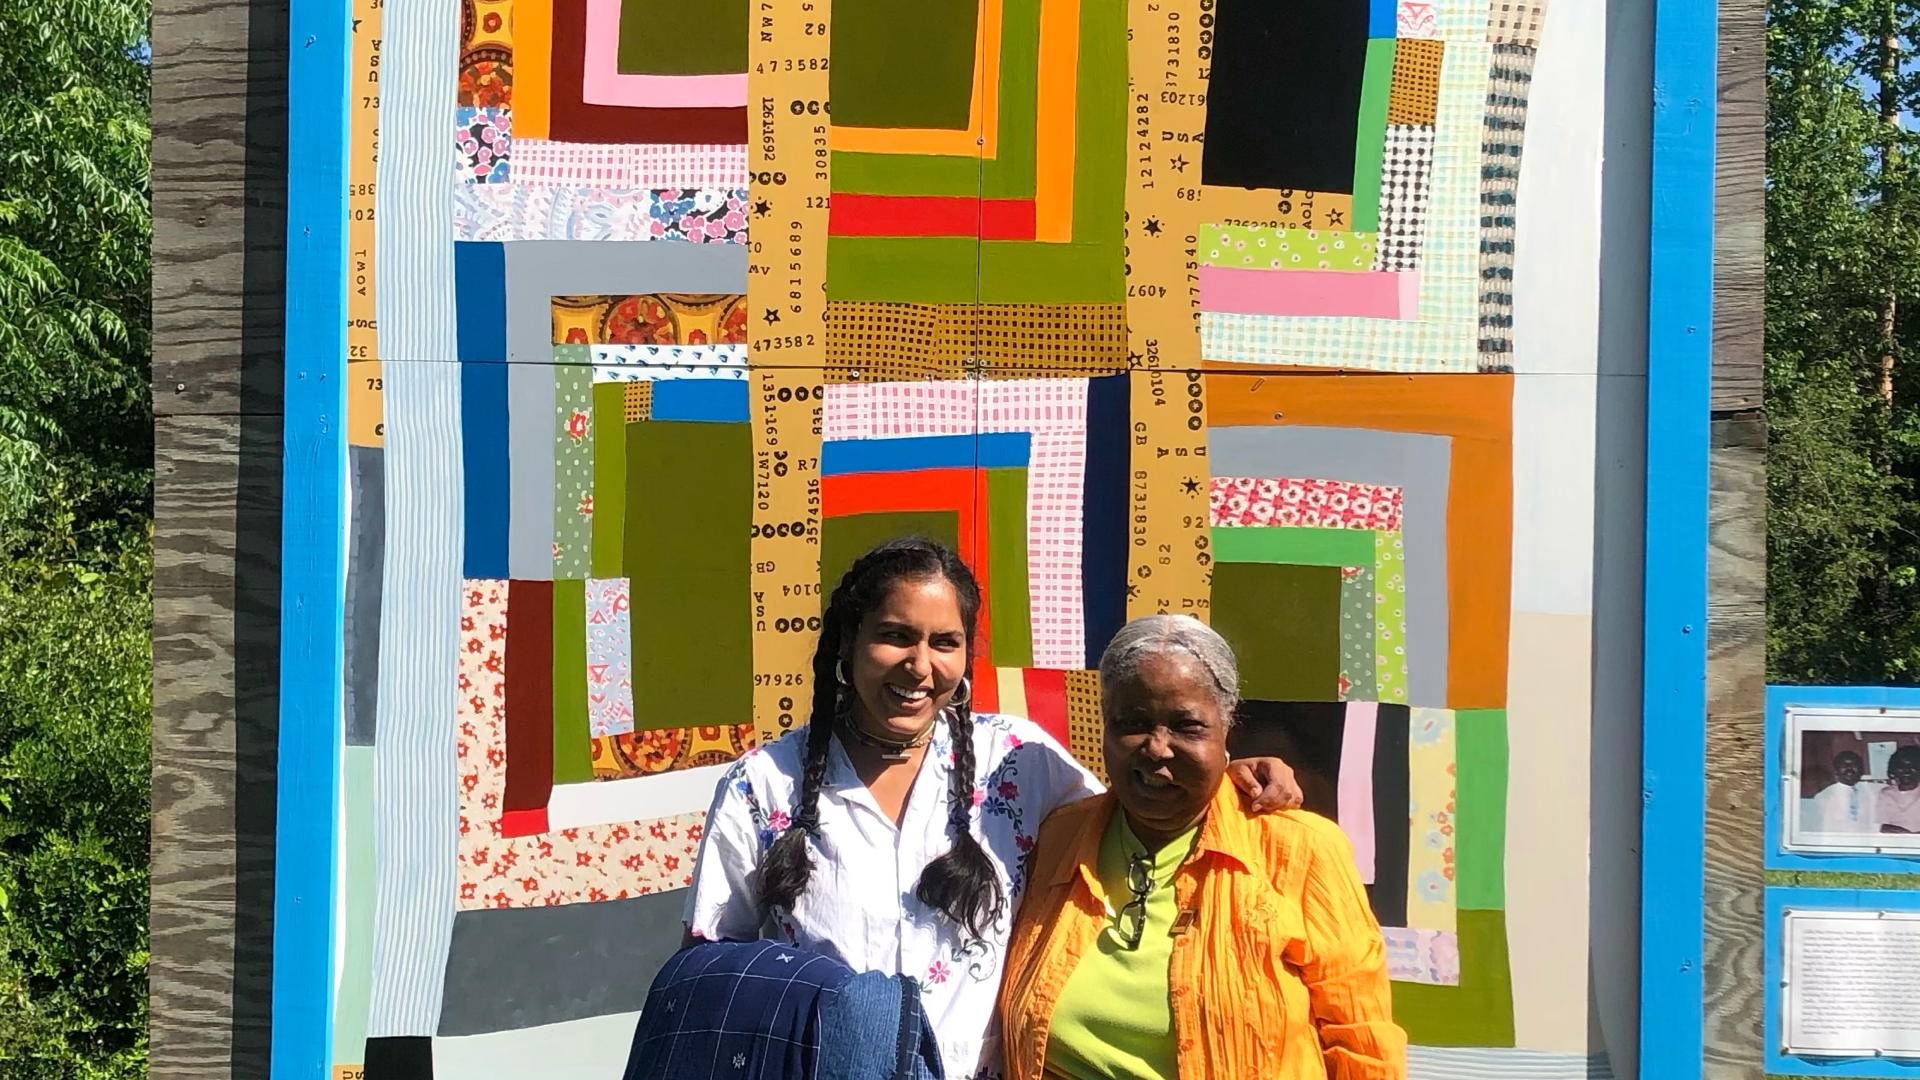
(880, 835)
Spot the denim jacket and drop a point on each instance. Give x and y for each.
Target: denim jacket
(762, 1011)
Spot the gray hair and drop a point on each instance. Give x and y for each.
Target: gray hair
(1157, 635)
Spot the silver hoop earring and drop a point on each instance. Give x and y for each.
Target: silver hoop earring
(962, 694)
(840, 673)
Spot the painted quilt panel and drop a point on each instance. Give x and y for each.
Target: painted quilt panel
(1214, 307)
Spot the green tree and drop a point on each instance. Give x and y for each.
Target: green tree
(75, 426)
(75, 573)
(75, 703)
(1843, 278)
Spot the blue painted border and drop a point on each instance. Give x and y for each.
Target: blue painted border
(1817, 697)
(1679, 434)
(313, 539)
(1779, 1063)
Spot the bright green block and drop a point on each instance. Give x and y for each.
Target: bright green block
(1291, 544)
(1480, 808)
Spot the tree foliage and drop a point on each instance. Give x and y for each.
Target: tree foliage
(75, 428)
(1843, 239)
(75, 573)
(75, 703)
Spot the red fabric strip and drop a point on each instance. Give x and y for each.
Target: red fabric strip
(930, 215)
(961, 491)
(986, 684)
(529, 697)
(1047, 701)
(523, 822)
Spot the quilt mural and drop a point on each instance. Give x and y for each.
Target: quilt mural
(660, 315)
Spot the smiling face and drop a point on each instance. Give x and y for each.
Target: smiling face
(1847, 767)
(1904, 768)
(1166, 744)
(908, 657)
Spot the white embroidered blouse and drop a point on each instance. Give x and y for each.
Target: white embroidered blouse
(859, 904)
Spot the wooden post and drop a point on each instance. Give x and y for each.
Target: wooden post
(1737, 560)
(219, 252)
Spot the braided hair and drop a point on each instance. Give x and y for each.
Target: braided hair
(962, 884)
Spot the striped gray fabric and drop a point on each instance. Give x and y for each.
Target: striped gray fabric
(417, 818)
(1471, 1063)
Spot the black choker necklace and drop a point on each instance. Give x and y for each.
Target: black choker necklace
(890, 749)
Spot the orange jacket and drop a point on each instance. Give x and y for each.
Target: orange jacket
(1281, 974)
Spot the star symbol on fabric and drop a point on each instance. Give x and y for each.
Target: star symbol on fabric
(1133, 591)
(772, 316)
(356, 26)
(1179, 164)
(1335, 217)
(1134, 359)
(785, 958)
(1190, 486)
(762, 207)
(1153, 226)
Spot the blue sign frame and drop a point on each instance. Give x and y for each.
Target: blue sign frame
(1778, 900)
(1779, 698)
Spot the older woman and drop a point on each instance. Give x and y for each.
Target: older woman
(889, 833)
(1166, 932)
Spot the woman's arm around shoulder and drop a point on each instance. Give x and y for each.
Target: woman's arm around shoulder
(1344, 960)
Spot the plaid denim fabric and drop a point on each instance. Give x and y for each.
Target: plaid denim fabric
(746, 1010)
(1445, 336)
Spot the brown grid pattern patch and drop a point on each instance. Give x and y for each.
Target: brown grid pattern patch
(1084, 724)
(937, 341)
(1515, 22)
(638, 400)
(1414, 97)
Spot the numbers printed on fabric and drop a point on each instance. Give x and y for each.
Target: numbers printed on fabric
(1168, 50)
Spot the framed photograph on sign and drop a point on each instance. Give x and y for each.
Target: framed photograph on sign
(1850, 781)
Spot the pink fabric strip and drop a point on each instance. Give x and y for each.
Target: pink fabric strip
(1355, 790)
(604, 84)
(1054, 411)
(1237, 291)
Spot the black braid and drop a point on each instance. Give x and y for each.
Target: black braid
(786, 867)
(963, 884)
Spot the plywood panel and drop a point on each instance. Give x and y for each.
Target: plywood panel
(219, 124)
(191, 972)
(1736, 748)
(1739, 215)
(219, 201)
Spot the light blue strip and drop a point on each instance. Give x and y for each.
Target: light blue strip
(417, 818)
(1679, 418)
(989, 450)
(416, 814)
(313, 542)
